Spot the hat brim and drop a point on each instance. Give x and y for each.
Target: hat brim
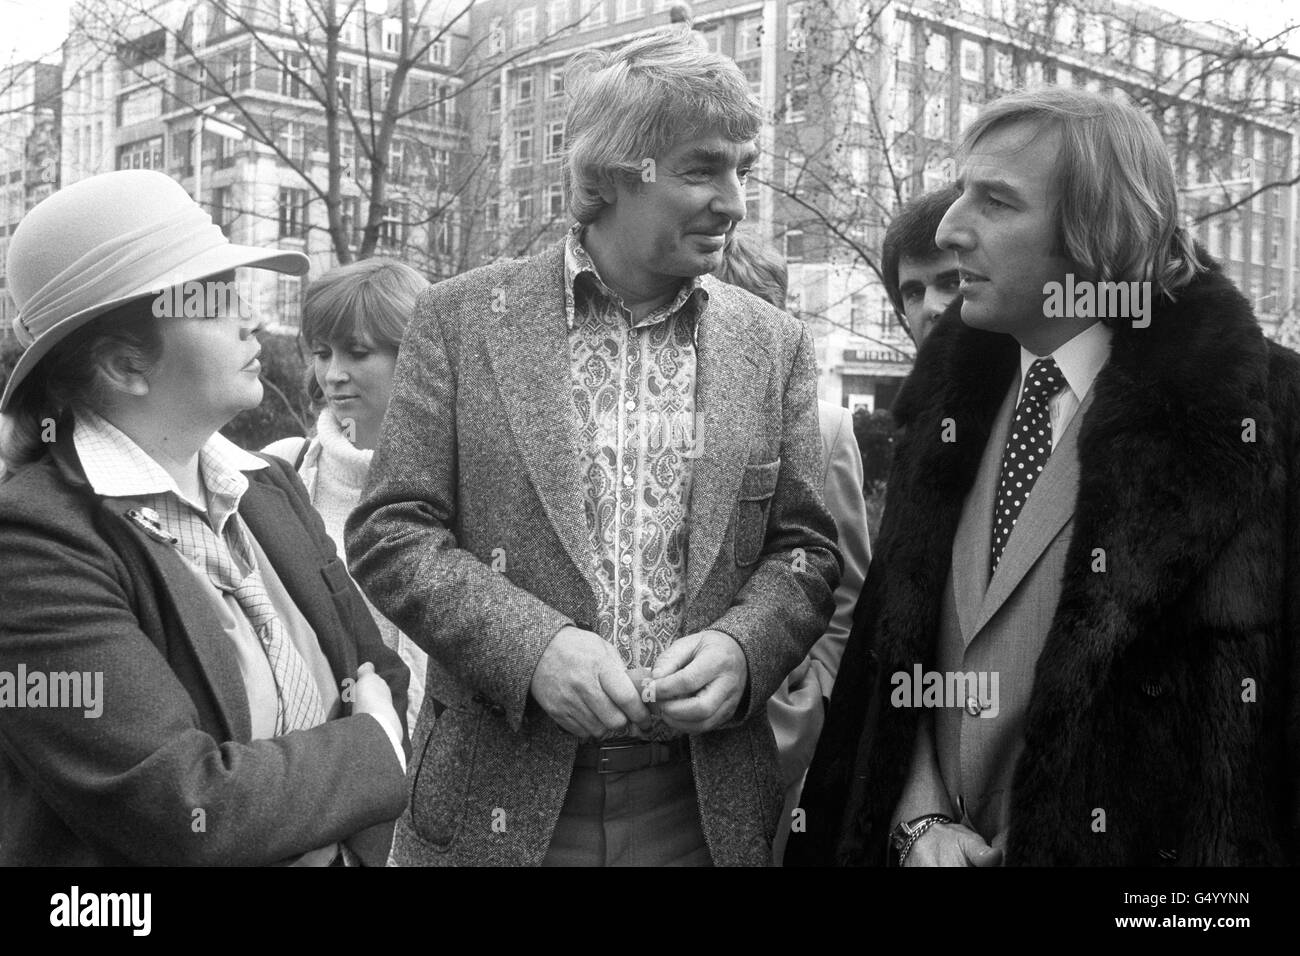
(205, 265)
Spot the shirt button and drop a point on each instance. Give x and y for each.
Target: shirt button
(631, 405)
(628, 481)
(626, 559)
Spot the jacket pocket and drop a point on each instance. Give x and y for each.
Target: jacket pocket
(440, 786)
(757, 486)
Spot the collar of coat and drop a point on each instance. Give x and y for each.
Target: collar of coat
(1167, 468)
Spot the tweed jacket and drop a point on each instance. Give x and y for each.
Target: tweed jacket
(471, 537)
(84, 589)
(1165, 695)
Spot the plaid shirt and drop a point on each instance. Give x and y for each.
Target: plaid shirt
(633, 398)
(117, 467)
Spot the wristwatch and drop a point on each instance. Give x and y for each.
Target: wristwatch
(904, 836)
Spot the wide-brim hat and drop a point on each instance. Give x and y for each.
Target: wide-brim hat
(105, 241)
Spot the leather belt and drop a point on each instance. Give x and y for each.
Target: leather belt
(625, 756)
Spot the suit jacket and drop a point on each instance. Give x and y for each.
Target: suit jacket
(1165, 691)
(992, 629)
(478, 468)
(85, 589)
(797, 709)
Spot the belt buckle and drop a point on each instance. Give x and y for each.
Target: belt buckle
(602, 761)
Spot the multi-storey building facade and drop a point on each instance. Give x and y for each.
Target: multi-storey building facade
(865, 105)
(229, 97)
(29, 149)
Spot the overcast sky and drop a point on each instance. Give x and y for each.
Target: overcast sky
(34, 28)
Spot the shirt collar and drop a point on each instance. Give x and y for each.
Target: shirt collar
(116, 467)
(1079, 359)
(578, 262)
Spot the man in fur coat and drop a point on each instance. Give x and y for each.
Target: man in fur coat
(1077, 644)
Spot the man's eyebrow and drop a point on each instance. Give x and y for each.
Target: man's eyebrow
(717, 157)
(988, 185)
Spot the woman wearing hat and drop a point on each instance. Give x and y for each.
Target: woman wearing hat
(187, 673)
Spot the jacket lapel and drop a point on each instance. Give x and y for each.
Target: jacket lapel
(727, 374)
(297, 562)
(1050, 505)
(528, 349)
(970, 550)
(202, 628)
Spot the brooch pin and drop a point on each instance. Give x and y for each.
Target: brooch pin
(148, 521)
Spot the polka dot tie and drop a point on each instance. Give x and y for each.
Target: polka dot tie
(1027, 451)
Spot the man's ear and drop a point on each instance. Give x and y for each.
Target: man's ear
(608, 189)
(120, 373)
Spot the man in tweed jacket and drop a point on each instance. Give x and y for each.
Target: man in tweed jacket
(597, 505)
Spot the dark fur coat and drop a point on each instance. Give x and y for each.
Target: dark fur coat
(1166, 692)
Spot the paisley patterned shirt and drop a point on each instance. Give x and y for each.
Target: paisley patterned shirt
(633, 399)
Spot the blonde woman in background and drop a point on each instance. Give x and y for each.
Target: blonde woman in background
(354, 318)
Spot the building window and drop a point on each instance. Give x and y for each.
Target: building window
(794, 166)
(291, 76)
(749, 36)
(557, 82)
(440, 51)
(524, 89)
(347, 153)
(525, 26)
(524, 208)
(1003, 76)
(936, 52)
(712, 39)
(794, 245)
(293, 141)
(239, 69)
(972, 60)
(145, 154)
(392, 32)
(905, 40)
(494, 97)
(796, 38)
(392, 228)
(796, 103)
(496, 37)
(628, 10)
(557, 14)
(288, 293)
(444, 237)
(396, 161)
(555, 201)
(441, 166)
(494, 153)
(595, 14)
(343, 82)
(523, 146)
(293, 213)
(554, 140)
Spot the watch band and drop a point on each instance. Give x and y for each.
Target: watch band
(906, 834)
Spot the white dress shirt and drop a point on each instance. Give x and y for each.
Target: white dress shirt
(1079, 360)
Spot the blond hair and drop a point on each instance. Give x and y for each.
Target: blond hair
(1118, 215)
(370, 299)
(633, 104)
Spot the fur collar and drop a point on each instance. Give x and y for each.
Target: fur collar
(1165, 475)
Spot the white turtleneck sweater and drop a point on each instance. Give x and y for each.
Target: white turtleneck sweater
(334, 471)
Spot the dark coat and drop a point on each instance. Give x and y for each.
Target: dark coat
(1166, 691)
(84, 589)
